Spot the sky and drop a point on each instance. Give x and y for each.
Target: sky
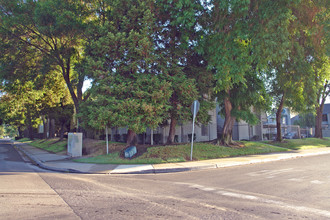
(87, 85)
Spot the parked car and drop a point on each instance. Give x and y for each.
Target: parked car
(303, 135)
(289, 135)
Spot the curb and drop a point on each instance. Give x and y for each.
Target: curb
(173, 170)
(218, 165)
(151, 169)
(165, 170)
(40, 164)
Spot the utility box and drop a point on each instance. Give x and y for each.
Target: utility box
(75, 144)
(130, 152)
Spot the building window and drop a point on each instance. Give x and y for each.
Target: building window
(205, 130)
(325, 117)
(284, 120)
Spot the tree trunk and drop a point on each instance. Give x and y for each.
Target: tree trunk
(227, 131)
(20, 131)
(318, 121)
(44, 121)
(171, 135)
(62, 131)
(29, 123)
(322, 96)
(76, 96)
(131, 138)
(151, 137)
(278, 120)
(51, 128)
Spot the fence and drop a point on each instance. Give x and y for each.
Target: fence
(287, 131)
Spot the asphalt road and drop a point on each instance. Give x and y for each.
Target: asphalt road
(289, 189)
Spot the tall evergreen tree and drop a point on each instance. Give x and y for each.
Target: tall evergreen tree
(177, 34)
(129, 87)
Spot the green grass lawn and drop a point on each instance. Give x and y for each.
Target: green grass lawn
(181, 153)
(24, 140)
(51, 145)
(301, 144)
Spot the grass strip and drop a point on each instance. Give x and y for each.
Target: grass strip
(24, 140)
(51, 145)
(181, 153)
(301, 144)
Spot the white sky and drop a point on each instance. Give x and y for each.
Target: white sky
(87, 85)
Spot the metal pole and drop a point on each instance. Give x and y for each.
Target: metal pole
(106, 137)
(193, 131)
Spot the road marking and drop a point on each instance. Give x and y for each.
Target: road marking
(296, 180)
(262, 200)
(237, 195)
(208, 189)
(317, 182)
(270, 173)
(195, 186)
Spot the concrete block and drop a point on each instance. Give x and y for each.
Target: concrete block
(75, 144)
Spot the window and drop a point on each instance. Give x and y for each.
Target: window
(325, 117)
(205, 130)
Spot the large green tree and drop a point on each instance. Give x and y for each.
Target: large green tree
(53, 29)
(11, 112)
(177, 33)
(20, 107)
(33, 82)
(129, 83)
(318, 20)
(241, 38)
(301, 80)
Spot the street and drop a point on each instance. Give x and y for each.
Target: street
(288, 189)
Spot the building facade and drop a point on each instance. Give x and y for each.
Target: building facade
(326, 121)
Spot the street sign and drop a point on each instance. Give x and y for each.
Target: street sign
(195, 108)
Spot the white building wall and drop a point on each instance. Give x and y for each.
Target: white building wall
(182, 131)
(241, 130)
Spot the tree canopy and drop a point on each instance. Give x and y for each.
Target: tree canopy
(149, 59)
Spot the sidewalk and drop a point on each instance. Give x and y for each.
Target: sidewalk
(63, 163)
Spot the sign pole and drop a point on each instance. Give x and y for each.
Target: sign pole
(194, 110)
(192, 138)
(106, 136)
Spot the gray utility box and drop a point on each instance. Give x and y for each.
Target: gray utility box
(75, 144)
(130, 152)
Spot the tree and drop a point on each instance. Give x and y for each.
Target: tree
(20, 107)
(322, 94)
(177, 34)
(300, 78)
(30, 86)
(53, 29)
(241, 38)
(11, 113)
(290, 87)
(306, 120)
(57, 108)
(129, 88)
(318, 21)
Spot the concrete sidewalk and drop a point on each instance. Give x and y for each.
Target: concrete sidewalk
(64, 163)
